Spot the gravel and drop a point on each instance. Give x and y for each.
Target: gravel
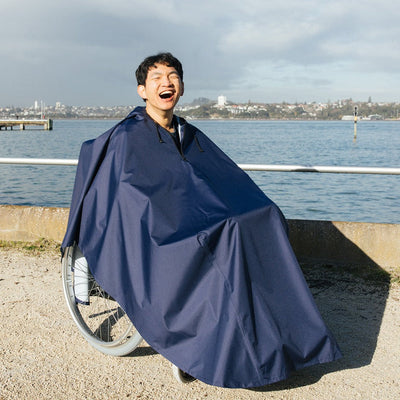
(43, 356)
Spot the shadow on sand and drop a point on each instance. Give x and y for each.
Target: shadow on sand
(351, 300)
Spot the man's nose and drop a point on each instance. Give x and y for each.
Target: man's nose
(165, 80)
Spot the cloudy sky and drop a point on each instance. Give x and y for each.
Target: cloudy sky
(85, 52)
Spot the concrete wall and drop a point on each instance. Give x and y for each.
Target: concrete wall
(21, 223)
(351, 243)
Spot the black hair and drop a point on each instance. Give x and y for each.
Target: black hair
(161, 58)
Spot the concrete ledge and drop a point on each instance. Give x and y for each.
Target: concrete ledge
(346, 243)
(350, 243)
(20, 223)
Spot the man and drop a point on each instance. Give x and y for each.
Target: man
(160, 84)
(191, 248)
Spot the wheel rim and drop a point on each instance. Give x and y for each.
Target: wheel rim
(103, 323)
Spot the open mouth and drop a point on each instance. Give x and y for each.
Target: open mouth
(168, 94)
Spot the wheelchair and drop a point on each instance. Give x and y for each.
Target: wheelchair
(99, 317)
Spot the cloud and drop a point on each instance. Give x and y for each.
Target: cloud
(312, 32)
(86, 51)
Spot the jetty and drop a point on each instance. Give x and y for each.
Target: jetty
(47, 124)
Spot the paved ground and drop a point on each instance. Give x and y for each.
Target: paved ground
(42, 355)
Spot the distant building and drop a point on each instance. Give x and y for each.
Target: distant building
(375, 117)
(221, 101)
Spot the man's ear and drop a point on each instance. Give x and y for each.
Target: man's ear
(142, 92)
(182, 88)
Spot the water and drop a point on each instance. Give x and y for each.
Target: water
(340, 197)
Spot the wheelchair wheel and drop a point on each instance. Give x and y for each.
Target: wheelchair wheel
(101, 321)
(181, 376)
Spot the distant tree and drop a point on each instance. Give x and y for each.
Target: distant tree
(200, 101)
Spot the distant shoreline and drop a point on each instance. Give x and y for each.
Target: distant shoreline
(207, 110)
(231, 119)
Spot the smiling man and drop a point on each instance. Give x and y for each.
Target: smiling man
(193, 251)
(160, 84)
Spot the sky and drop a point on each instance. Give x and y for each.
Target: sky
(86, 52)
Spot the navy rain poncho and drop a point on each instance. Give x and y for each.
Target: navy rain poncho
(196, 254)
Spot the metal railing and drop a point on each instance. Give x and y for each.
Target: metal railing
(245, 167)
(38, 161)
(322, 169)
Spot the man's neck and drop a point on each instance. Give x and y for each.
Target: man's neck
(164, 118)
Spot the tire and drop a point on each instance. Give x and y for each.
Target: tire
(181, 376)
(102, 322)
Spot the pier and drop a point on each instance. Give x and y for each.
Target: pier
(47, 124)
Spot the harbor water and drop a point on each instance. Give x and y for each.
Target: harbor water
(316, 196)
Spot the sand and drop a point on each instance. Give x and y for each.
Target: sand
(43, 356)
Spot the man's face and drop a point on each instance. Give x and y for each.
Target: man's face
(162, 89)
